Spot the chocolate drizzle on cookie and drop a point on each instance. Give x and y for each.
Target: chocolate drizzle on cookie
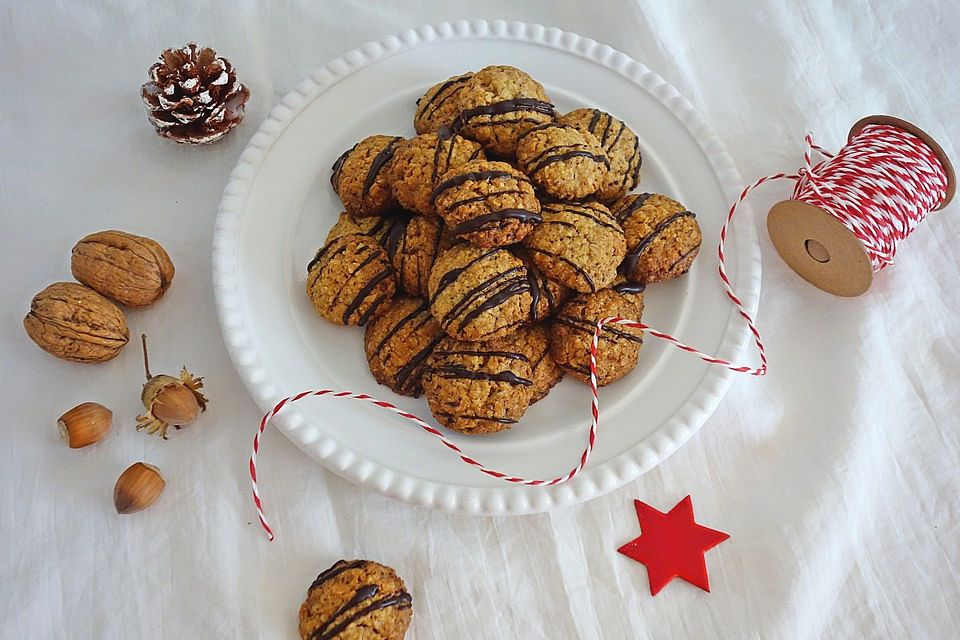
(334, 625)
(543, 160)
(587, 279)
(440, 97)
(629, 287)
(379, 162)
(476, 176)
(337, 167)
(638, 201)
(515, 105)
(633, 255)
(477, 223)
(590, 326)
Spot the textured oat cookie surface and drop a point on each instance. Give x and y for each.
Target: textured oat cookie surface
(350, 280)
(489, 204)
(356, 600)
(534, 342)
(478, 387)
(359, 176)
(621, 145)
(398, 343)
(663, 238)
(498, 104)
(438, 106)
(573, 329)
(578, 244)
(479, 294)
(563, 161)
(420, 161)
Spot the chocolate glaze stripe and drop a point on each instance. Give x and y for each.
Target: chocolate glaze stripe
(323, 250)
(456, 372)
(432, 104)
(444, 135)
(474, 294)
(569, 155)
(400, 600)
(379, 161)
(372, 309)
(635, 175)
(478, 418)
(556, 147)
(363, 593)
(543, 126)
(478, 222)
(580, 270)
(395, 235)
(630, 262)
(420, 310)
(338, 167)
(451, 276)
(338, 567)
(364, 292)
(497, 123)
(466, 201)
(476, 176)
(534, 289)
(505, 107)
(510, 355)
(684, 255)
(588, 326)
(406, 381)
(626, 212)
(629, 287)
(515, 287)
(581, 210)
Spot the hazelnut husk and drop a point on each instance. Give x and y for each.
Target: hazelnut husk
(132, 270)
(74, 322)
(84, 424)
(137, 488)
(169, 401)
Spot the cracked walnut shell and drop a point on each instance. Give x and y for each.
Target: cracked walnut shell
(132, 270)
(74, 322)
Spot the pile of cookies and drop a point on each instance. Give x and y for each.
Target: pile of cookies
(480, 253)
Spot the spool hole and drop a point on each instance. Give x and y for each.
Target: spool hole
(816, 251)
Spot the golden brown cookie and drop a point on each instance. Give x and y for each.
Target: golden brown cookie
(546, 296)
(438, 106)
(350, 280)
(421, 160)
(563, 161)
(356, 600)
(534, 342)
(621, 145)
(479, 294)
(489, 204)
(347, 225)
(663, 238)
(360, 176)
(578, 244)
(399, 341)
(498, 104)
(478, 387)
(619, 346)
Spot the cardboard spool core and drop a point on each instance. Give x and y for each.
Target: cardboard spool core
(819, 248)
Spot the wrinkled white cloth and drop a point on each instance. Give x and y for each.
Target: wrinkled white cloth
(837, 476)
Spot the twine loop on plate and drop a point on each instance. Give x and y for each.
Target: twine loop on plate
(880, 186)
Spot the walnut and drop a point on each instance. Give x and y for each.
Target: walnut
(129, 269)
(74, 322)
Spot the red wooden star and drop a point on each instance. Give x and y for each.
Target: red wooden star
(672, 545)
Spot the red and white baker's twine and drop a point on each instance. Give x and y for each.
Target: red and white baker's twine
(880, 186)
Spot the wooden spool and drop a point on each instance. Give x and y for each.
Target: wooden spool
(819, 248)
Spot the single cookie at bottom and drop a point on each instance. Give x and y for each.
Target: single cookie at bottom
(663, 238)
(350, 280)
(398, 343)
(534, 342)
(619, 346)
(356, 600)
(478, 387)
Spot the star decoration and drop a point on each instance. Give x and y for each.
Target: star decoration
(671, 545)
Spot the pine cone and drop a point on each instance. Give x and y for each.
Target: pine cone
(194, 95)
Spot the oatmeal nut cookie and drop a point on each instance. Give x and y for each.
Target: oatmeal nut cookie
(563, 161)
(489, 204)
(356, 600)
(421, 160)
(438, 106)
(478, 387)
(350, 280)
(663, 238)
(498, 104)
(621, 145)
(546, 295)
(399, 341)
(619, 346)
(479, 294)
(360, 176)
(578, 244)
(534, 342)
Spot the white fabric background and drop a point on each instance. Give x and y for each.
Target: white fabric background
(837, 475)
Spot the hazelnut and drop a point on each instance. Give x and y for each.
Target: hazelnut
(137, 488)
(84, 424)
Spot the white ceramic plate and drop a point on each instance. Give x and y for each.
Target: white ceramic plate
(278, 206)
